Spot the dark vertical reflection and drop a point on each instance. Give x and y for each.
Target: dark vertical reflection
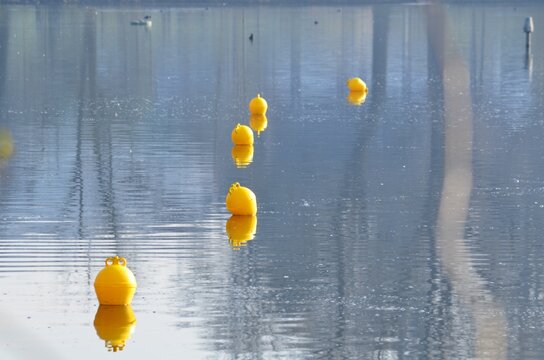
(438, 304)
(454, 252)
(4, 36)
(380, 30)
(295, 59)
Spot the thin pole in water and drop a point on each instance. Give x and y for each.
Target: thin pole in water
(529, 27)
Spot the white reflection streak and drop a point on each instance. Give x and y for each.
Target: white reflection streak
(453, 251)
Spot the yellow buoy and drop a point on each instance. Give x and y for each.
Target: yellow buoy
(241, 200)
(357, 97)
(241, 229)
(115, 325)
(258, 122)
(242, 135)
(258, 105)
(115, 284)
(242, 155)
(6, 144)
(356, 84)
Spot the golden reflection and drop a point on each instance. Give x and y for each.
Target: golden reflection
(357, 97)
(114, 324)
(258, 123)
(242, 155)
(241, 229)
(6, 144)
(455, 253)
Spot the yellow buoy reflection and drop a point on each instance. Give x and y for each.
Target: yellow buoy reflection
(115, 324)
(258, 122)
(6, 145)
(242, 155)
(241, 229)
(357, 97)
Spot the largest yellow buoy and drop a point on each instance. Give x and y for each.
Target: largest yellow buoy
(241, 200)
(114, 325)
(115, 284)
(258, 105)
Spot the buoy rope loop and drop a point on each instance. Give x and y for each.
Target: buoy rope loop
(116, 260)
(233, 187)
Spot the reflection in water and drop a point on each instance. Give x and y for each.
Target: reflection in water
(241, 229)
(115, 324)
(242, 155)
(529, 62)
(356, 97)
(454, 252)
(258, 123)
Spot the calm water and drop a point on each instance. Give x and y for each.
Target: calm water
(409, 227)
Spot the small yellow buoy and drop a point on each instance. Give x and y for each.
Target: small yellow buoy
(258, 105)
(357, 97)
(356, 84)
(241, 229)
(241, 200)
(6, 144)
(115, 284)
(242, 155)
(115, 325)
(258, 122)
(242, 135)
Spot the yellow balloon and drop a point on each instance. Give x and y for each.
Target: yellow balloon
(241, 229)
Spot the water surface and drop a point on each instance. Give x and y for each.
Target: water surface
(405, 228)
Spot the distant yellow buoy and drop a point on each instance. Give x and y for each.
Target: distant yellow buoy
(241, 229)
(115, 325)
(241, 200)
(258, 122)
(357, 97)
(115, 284)
(356, 84)
(258, 105)
(242, 155)
(242, 135)
(6, 144)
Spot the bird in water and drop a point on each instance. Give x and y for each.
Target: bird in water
(251, 37)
